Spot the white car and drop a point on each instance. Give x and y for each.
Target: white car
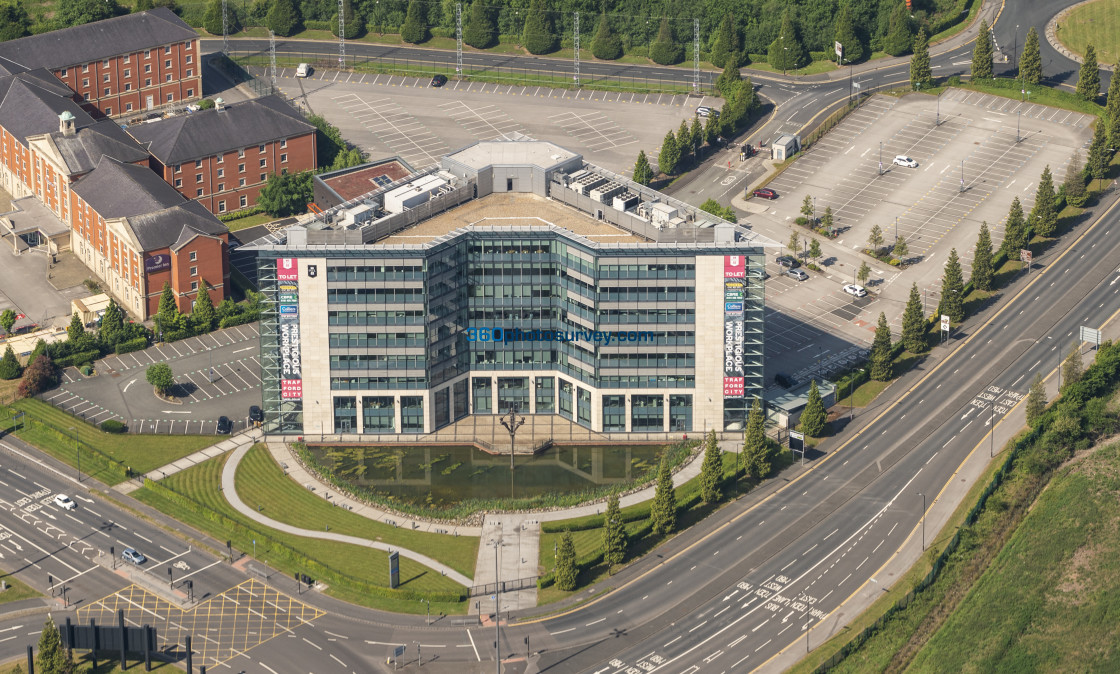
(855, 290)
(903, 160)
(303, 70)
(65, 502)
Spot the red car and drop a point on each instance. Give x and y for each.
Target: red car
(766, 193)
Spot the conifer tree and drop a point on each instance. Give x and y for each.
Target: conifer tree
(881, 350)
(697, 136)
(1112, 108)
(480, 30)
(952, 289)
(900, 35)
(914, 326)
(168, 312)
(1089, 76)
(1074, 185)
(670, 155)
(982, 264)
(814, 416)
(982, 53)
(283, 17)
(1072, 368)
(730, 79)
(615, 540)
(711, 470)
(664, 50)
(754, 439)
(414, 30)
(663, 512)
(1044, 214)
(111, 329)
(920, 73)
(203, 312)
(9, 365)
(726, 44)
(354, 24)
(1097, 162)
(51, 657)
(1030, 63)
(1014, 231)
(786, 52)
(606, 44)
(212, 20)
(1036, 399)
(684, 141)
(40, 349)
(643, 173)
(75, 330)
(567, 574)
(845, 34)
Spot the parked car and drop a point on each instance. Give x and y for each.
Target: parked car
(134, 556)
(65, 502)
(788, 262)
(798, 274)
(439, 80)
(303, 70)
(855, 290)
(256, 414)
(705, 111)
(903, 160)
(224, 425)
(765, 193)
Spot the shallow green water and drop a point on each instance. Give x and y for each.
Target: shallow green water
(446, 475)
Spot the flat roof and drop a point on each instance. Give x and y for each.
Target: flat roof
(502, 153)
(353, 184)
(510, 209)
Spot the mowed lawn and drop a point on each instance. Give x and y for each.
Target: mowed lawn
(1097, 24)
(1050, 600)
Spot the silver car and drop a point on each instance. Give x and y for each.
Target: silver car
(798, 274)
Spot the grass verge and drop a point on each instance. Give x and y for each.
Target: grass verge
(82, 665)
(202, 485)
(249, 221)
(1097, 24)
(16, 590)
(49, 429)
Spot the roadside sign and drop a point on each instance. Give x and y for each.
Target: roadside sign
(398, 651)
(1026, 256)
(944, 323)
(1091, 335)
(839, 51)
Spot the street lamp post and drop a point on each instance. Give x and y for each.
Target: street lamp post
(512, 423)
(1018, 114)
(937, 122)
(880, 157)
(962, 175)
(428, 605)
(923, 519)
(77, 453)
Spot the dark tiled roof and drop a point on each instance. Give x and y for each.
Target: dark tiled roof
(208, 132)
(96, 41)
(84, 150)
(158, 215)
(29, 105)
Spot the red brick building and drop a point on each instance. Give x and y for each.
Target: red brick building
(125, 64)
(222, 157)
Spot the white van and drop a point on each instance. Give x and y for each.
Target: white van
(303, 70)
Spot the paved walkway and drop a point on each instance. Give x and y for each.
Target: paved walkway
(246, 438)
(229, 489)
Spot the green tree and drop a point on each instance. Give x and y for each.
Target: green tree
(807, 208)
(51, 658)
(7, 321)
(725, 46)
(203, 312)
(1073, 187)
(39, 375)
(845, 34)
(697, 136)
(615, 540)
(14, 20)
(75, 330)
(711, 470)
(283, 18)
(952, 289)
(1036, 399)
(920, 73)
(914, 324)
(643, 173)
(664, 50)
(881, 351)
(814, 416)
(9, 365)
(1112, 101)
(40, 349)
(354, 24)
(684, 141)
(730, 79)
(539, 36)
(111, 330)
(982, 264)
(80, 12)
(663, 511)
(159, 376)
(982, 53)
(212, 21)
(480, 29)
(286, 194)
(814, 249)
(142, 5)
(786, 52)
(1044, 215)
(205, 104)
(1030, 63)
(670, 155)
(1097, 162)
(794, 244)
(1014, 231)
(1073, 368)
(900, 34)
(606, 44)
(875, 239)
(567, 574)
(901, 249)
(328, 140)
(711, 130)
(167, 317)
(1089, 76)
(754, 439)
(826, 219)
(414, 30)
(347, 158)
(864, 272)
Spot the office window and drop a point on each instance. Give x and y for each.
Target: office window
(127, 72)
(190, 72)
(198, 192)
(194, 256)
(64, 72)
(264, 176)
(221, 159)
(221, 187)
(221, 173)
(190, 93)
(240, 168)
(147, 67)
(198, 178)
(170, 97)
(198, 163)
(221, 207)
(85, 82)
(105, 77)
(148, 82)
(241, 153)
(105, 63)
(190, 59)
(127, 57)
(264, 163)
(241, 182)
(167, 49)
(194, 286)
(178, 168)
(167, 64)
(147, 53)
(244, 201)
(260, 148)
(85, 67)
(187, 45)
(283, 143)
(128, 107)
(106, 91)
(168, 79)
(284, 158)
(128, 86)
(194, 271)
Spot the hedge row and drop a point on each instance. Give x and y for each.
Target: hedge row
(244, 213)
(138, 344)
(80, 358)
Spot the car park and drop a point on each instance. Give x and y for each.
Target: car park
(903, 160)
(798, 274)
(438, 80)
(65, 502)
(133, 556)
(224, 425)
(303, 70)
(855, 290)
(788, 262)
(765, 193)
